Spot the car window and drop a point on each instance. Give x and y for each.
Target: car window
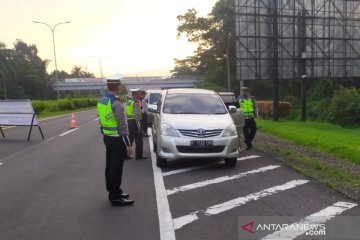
(154, 98)
(193, 104)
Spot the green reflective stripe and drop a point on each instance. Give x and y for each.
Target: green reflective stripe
(110, 128)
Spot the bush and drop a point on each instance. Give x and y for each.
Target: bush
(265, 109)
(344, 107)
(39, 106)
(319, 110)
(63, 104)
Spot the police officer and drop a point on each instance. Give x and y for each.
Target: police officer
(134, 115)
(115, 130)
(249, 109)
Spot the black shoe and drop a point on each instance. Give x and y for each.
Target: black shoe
(146, 135)
(128, 157)
(142, 157)
(125, 195)
(121, 202)
(248, 148)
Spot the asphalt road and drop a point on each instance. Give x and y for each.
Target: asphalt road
(55, 189)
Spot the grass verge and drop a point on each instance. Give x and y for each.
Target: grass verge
(293, 144)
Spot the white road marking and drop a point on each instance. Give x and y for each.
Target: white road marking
(219, 180)
(219, 208)
(204, 166)
(316, 218)
(1, 163)
(167, 231)
(63, 134)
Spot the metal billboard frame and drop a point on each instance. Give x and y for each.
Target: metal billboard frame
(297, 39)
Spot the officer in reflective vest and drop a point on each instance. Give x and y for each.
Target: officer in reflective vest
(114, 127)
(134, 116)
(249, 109)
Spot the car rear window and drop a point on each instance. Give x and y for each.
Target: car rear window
(228, 98)
(193, 104)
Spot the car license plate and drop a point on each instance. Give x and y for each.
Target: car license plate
(201, 143)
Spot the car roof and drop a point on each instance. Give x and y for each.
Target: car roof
(154, 91)
(226, 93)
(190, 90)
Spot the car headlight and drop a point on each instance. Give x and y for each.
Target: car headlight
(167, 130)
(230, 131)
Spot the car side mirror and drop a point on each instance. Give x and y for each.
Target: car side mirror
(232, 109)
(152, 109)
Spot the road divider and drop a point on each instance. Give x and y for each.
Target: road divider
(220, 180)
(219, 208)
(166, 226)
(204, 166)
(63, 134)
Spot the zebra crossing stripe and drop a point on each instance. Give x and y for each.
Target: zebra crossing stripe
(316, 218)
(204, 166)
(219, 208)
(219, 180)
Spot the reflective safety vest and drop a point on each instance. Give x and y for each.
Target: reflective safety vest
(108, 122)
(247, 106)
(130, 109)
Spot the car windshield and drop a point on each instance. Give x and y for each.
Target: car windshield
(154, 98)
(193, 104)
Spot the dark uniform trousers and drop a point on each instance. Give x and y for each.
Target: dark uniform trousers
(135, 134)
(115, 154)
(249, 130)
(144, 123)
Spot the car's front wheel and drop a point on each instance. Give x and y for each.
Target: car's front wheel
(230, 162)
(160, 162)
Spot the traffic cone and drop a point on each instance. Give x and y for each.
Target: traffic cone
(73, 121)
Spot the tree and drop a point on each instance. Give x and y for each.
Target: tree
(214, 34)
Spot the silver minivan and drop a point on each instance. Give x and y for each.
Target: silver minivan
(193, 123)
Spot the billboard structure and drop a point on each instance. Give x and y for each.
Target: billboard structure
(290, 39)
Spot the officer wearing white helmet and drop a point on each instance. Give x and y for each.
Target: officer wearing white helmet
(115, 130)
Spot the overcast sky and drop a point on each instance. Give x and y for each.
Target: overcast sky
(130, 36)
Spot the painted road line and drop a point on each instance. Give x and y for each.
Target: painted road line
(204, 166)
(316, 218)
(167, 231)
(219, 208)
(63, 134)
(1, 163)
(219, 180)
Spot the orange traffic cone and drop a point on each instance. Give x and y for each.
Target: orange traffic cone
(73, 121)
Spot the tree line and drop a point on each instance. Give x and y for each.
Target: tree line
(23, 73)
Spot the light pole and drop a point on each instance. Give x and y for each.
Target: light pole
(100, 64)
(53, 37)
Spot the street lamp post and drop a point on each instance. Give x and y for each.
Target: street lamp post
(53, 37)
(100, 64)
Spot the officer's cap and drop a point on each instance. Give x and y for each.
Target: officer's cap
(114, 79)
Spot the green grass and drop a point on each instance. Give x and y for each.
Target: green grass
(330, 138)
(51, 114)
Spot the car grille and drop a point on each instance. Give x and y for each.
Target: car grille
(188, 149)
(200, 133)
